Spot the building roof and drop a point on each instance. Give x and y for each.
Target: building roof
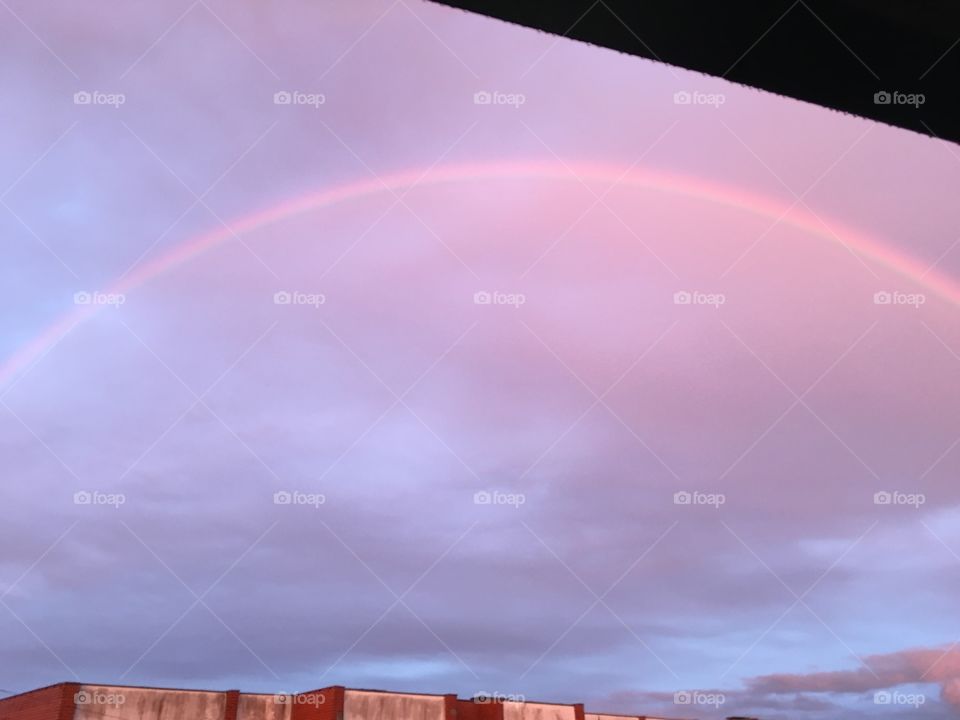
(840, 54)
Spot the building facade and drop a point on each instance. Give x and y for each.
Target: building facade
(79, 701)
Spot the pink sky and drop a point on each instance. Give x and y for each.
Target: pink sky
(485, 298)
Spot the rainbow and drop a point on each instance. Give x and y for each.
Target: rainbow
(642, 178)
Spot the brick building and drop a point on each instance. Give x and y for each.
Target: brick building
(77, 701)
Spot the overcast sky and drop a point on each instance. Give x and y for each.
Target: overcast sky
(379, 344)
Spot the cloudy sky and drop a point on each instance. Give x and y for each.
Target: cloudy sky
(378, 344)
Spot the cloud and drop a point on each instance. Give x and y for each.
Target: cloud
(828, 694)
(914, 666)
